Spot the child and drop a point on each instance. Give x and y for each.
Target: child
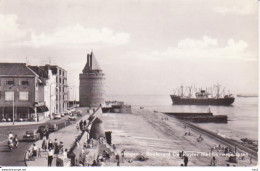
(27, 155)
(39, 152)
(77, 126)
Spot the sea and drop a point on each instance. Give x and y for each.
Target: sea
(242, 114)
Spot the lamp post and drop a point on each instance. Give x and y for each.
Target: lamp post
(13, 107)
(76, 88)
(73, 87)
(66, 93)
(13, 104)
(75, 95)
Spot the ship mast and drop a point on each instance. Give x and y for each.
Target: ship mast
(190, 87)
(181, 90)
(218, 89)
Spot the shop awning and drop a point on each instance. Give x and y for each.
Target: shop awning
(23, 109)
(18, 110)
(41, 109)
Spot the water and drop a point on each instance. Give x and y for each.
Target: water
(242, 115)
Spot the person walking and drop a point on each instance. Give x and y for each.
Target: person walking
(213, 161)
(61, 147)
(56, 147)
(50, 156)
(186, 160)
(10, 135)
(27, 155)
(77, 126)
(85, 124)
(123, 155)
(47, 132)
(34, 150)
(44, 145)
(94, 163)
(81, 125)
(39, 152)
(50, 144)
(64, 157)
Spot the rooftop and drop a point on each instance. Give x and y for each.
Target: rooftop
(11, 69)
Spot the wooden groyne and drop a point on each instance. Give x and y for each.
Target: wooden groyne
(229, 142)
(199, 117)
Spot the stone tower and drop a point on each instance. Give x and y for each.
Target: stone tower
(91, 91)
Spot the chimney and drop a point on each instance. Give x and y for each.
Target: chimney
(90, 61)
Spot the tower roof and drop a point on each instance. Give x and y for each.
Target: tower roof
(92, 64)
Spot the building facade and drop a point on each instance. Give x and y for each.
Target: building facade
(61, 88)
(91, 90)
(20, 93)
(55, 89)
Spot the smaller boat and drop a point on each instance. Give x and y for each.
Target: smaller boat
(244, 95)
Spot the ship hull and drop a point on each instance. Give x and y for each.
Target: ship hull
(207, 101)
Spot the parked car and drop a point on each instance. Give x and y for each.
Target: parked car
(9, 120)
(72, 109)
(53, 127)
(62, 114)
(56, 116)
(72, 117)
(3, 120)
(31, 136)
(18, 120)
(68, 112)
(41, 128)
(79, 113)
(32, 119)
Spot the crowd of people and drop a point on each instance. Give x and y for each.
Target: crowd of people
(44, 132)
(52, 149)
(82, 125)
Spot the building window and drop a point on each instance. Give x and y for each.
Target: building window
(25, 83)
(9, 95)
(10, 83)
(23, 96)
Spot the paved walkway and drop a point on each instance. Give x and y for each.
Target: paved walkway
(67, 135)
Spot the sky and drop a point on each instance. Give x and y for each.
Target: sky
(143, 46)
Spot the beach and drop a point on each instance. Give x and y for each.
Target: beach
(160, 139)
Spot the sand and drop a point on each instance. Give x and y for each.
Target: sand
(160, 141)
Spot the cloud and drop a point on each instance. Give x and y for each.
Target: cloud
(78, 35)
(12, 34)
(237, 7)
(9, 28)
(206, 48)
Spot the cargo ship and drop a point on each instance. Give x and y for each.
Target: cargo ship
(202, 97)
